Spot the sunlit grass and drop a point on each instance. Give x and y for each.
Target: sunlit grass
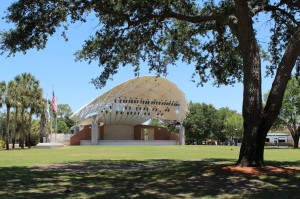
(31, 157)
(34, 156)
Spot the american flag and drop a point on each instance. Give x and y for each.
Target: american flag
(54, 106)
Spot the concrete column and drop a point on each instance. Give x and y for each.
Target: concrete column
(181, 135)
(76, 129)
(95, 133)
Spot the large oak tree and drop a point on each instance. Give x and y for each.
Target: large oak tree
(217, 37)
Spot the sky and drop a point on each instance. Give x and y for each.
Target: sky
(56, 69)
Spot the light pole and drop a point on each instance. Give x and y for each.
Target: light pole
(235, 132)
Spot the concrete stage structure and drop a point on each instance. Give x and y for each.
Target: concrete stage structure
(117, 117)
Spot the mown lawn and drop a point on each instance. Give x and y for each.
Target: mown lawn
(142, 172)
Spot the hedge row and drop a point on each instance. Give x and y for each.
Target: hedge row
(289, 144)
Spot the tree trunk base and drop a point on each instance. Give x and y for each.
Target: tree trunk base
(296, 142)
(249, 163)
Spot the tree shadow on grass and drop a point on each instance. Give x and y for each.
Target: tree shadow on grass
(284, 163)
(144, 179)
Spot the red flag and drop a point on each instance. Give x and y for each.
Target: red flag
(54, 106)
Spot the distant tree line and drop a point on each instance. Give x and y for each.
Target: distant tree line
(204, 122)
(27, 114)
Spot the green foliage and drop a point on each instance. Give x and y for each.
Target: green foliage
(2, 124)
(222, 135)
(19, 95)
(2, 93)
(233, 125)
(35, 138)
(65, 123)
(201, 123)
(156, 122)
(160, 32)
(290, 111)
(35, 132)
(69, 122)
(2, 143)
(289, 116)
(64, 110)
(62, 126)
(206, 122)
(278, 144)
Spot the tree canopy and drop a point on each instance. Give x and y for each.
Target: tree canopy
(218, 38)
(203, 33)
(206, 122)
(202, 122)
(64, 110)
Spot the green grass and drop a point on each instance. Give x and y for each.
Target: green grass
(141, 172)
(32, 157)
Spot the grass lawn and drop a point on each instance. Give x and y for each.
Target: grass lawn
(143, 172)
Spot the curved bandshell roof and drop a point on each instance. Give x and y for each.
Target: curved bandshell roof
(135, 102)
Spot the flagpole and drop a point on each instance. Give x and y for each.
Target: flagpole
(56, 120)
(48, 121)
(50, 129)
(54, 106)
(56, 127)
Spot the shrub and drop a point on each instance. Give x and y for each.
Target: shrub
(35, 138)
(288, 144)
(2, 143)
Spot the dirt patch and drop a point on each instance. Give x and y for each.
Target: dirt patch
(252, 170)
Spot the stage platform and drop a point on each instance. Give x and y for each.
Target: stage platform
(49, 145)
(131, 142)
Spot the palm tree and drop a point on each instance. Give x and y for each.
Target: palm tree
(13, 121)
(16, 105)
(19, 81)
(9, 101)
(36, 95)
(7, 92)
(25, 83)
(2, 94)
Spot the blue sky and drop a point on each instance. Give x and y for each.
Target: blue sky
(55, 67)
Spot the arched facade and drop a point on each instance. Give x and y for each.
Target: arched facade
(129, 104)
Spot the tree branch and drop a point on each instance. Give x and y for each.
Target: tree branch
(171, 15)
(290, 3)
(268, 8)
(165, 14)
(282, 77)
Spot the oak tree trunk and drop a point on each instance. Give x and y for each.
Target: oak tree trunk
(296, 140)
(251, 152)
